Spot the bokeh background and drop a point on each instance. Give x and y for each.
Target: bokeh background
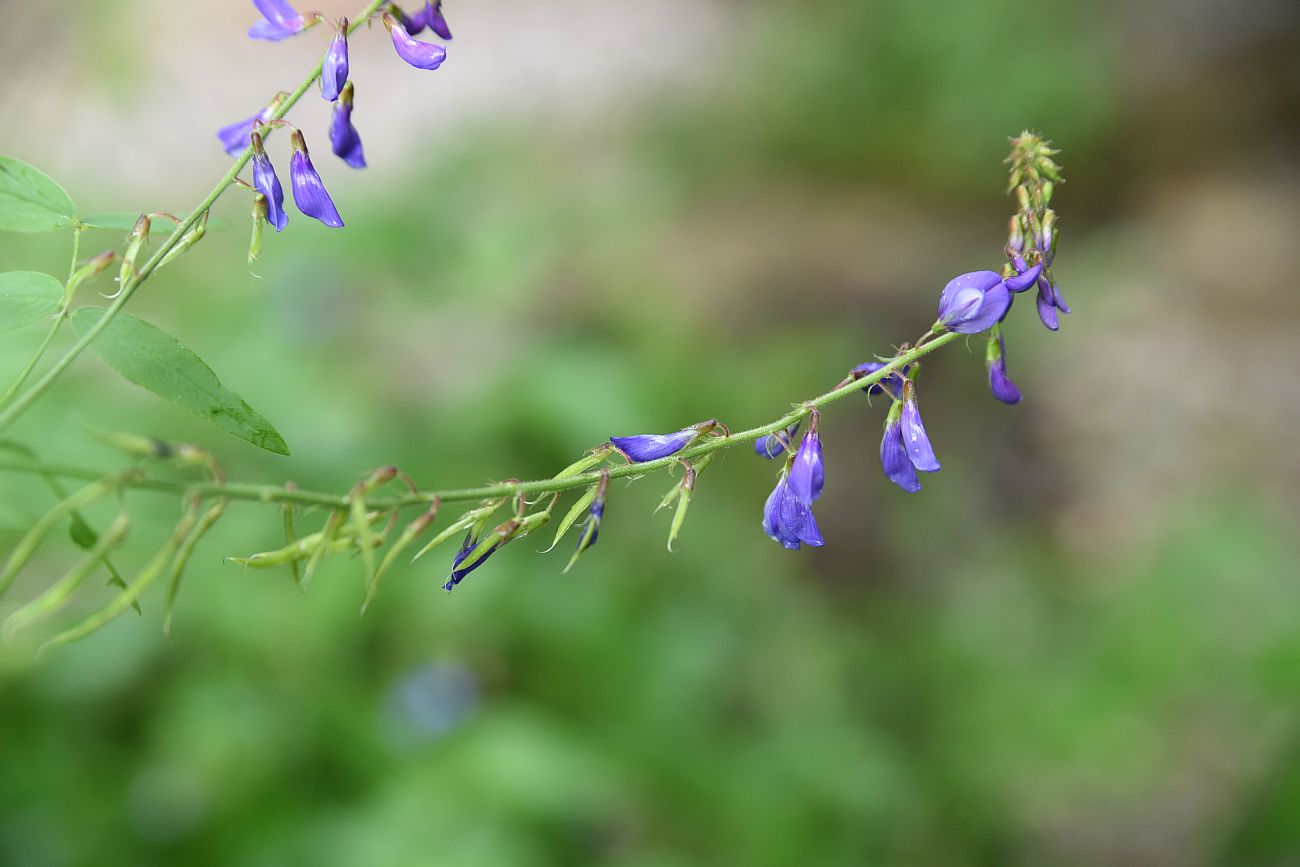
(1080, 645)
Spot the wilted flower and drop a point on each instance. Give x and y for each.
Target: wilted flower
(650, 447)
(234, 137)
(775, 443)
(344, 139)
(334, 69)
(905, 447)
(996, 360)
(266, 183)
(421, 55)
(309, 192)
(279, 21)
(467, 547)
(891, 384)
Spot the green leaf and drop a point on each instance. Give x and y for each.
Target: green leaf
(153, 359)
(30, 201)
(124, 221)
(27, 297)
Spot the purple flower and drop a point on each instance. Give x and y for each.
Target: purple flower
(234, 137)
(915, 439)
(279, 21)
(807, 473)
(309, 192)
(344, 138)
(1050, 300)
(334, 69)
(649, 447)
(434, 20)
(891, 384)
(973, 302)
(996, 360)
(774, 444)
(1025, 276)
(905, 447)
(466, 547)
(788, 520)
(421, 55)
(266, 183)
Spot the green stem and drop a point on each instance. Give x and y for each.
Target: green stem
(278, 494)
(77, 229)
(21, 405)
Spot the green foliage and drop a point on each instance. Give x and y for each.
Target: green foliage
(149, 357)
(30, 201)
(27, 297)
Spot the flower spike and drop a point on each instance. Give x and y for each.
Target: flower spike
(309, 192)
(266, 183)
(421, 55)
(334, 70)
(279, 21)
(344, 139)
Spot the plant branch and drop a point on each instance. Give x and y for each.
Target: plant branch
(293, 496)
(22, 403)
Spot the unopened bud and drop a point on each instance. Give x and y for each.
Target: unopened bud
(96, 265)
(259, 218)
(136, 243)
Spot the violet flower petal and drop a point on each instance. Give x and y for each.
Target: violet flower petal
(267, 183)
(1001, 385)
(895, 461)
(973, 302)
(891, 385)
(434, 19)
(775, 444)
(808, 473)
(334, 71)
(421, 55)
(345, 141)
(234, 137)
(1047, 305)
(309, 192)
(1023, 281)
(650, 447)
(916, 440)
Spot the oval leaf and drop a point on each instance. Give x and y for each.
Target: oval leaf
(30, 201)
(27, 297)
(153, 359)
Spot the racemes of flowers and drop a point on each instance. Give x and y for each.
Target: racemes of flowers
(364, 522)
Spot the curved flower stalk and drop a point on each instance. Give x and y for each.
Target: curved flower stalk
(363, 522)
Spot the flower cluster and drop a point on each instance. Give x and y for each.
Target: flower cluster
(281, 21)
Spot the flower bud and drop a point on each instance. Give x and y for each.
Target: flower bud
(259, 218)
(96, 265)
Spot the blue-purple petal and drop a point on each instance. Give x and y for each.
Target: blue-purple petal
(973, 302)
(775, 444)
(334, 70)
(267, 183)
(891, 384)
(895, 461)
(345, 141)
(1023, 281)
(1001, 385)
(916, 440)
(309, 192)
(807, 473)
(434, 19)
(421, 55)
(234, 137)
(1047, 305)
(650, 447)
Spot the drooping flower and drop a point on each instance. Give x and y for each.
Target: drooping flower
(650, 447)
(915, 439)
(775, 443)
(309, 192)
(266, 183)
(344, 139)
(434, 20)
(807, 472)
(334, 70)
(905, 447)
(788, 520)
(973, 302)
(234, 137)
(421, 55)
(1050, 300)
(279, 21)
(996, 360)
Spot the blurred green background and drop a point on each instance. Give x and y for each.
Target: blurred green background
(1080, 645)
